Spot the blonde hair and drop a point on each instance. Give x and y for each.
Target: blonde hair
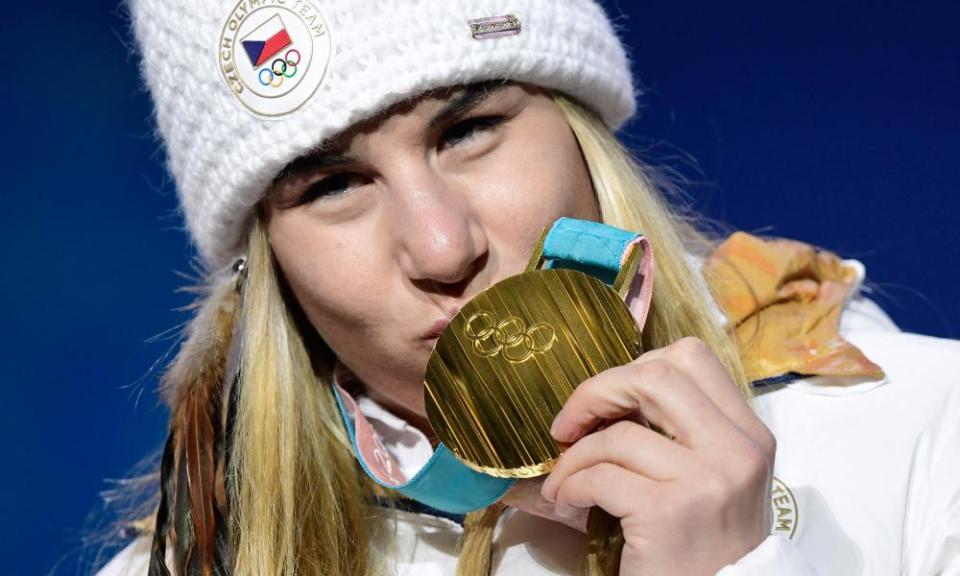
(629, 199)
(299, 503)
(298, 499)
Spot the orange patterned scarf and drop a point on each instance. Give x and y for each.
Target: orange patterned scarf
(783, 300)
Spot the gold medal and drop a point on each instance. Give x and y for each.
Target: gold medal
(507, 362)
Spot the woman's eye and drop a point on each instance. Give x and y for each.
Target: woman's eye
(331, 186)
(463, 131)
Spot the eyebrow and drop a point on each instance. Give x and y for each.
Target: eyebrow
(472, 96)
(314, 162)
(468, 98)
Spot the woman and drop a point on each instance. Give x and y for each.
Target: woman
(352, 173)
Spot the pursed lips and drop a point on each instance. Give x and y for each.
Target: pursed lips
(440, 324)
(436, 329)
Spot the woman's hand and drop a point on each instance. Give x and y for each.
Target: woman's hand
(687, 506)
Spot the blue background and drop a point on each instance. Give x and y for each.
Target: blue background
(835, 123)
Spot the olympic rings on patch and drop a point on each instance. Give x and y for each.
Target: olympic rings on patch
(279, 69)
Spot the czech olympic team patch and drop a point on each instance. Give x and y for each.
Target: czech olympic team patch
(273, 54)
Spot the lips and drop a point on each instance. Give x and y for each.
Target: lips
(436, 329)
(440, 324)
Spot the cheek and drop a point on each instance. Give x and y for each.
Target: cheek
(571, 176)
(572, 179)
(531, 182)
(335, 294)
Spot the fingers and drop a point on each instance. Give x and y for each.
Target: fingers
(683, 389)
(626, 444)
(664, 395)
(611, 487)
(709, 481)
(526, 495)
(697, 360)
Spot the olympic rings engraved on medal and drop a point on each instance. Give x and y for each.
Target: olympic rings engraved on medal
(280, 69)
(509, 337)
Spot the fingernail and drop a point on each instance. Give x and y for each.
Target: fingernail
(545, 492)
(566, 511)
(555, 430)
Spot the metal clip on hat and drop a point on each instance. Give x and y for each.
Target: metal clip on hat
(507, 362)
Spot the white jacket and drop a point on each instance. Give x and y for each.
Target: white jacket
(868, 477)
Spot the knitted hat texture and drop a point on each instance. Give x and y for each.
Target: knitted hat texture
(210, 66)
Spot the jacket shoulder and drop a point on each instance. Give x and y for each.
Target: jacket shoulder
(903, 354)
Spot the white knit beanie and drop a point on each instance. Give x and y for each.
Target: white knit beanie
(242, 87)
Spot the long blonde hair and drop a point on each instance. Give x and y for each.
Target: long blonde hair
(299, 503)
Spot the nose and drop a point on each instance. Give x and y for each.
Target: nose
(440, 240)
